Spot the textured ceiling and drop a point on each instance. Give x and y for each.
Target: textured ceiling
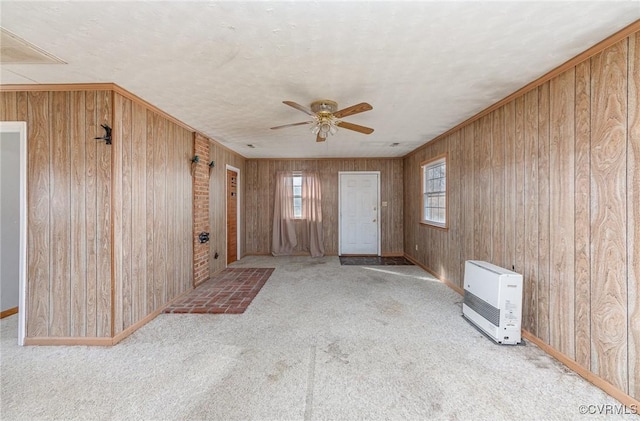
(224, 68)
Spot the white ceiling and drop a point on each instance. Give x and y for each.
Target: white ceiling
(224, 67)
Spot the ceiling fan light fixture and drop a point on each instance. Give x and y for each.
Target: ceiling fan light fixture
(325, 127)
(325, 120)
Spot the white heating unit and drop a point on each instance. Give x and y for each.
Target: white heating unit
(493, 301)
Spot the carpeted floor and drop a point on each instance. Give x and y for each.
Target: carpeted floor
(374, 261)
(229, 292)
(320, 341)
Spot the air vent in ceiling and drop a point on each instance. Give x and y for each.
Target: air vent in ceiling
(15, 50)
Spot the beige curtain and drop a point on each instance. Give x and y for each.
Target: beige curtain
(297, 234)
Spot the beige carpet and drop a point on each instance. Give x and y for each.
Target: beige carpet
(321, 341)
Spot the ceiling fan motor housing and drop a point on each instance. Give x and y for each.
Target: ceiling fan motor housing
(324, 106)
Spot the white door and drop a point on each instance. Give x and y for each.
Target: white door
(359, 213)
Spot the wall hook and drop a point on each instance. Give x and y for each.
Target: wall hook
(194, 164)
(203, 237)
(107, 136)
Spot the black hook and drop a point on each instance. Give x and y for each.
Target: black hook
(203, 237)
(107, 136)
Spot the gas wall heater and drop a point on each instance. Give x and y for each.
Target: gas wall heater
(493, 301)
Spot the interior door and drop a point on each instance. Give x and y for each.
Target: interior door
(232, 216)
(359, 221)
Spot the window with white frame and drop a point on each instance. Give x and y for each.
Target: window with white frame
(434, 192)
(297, 195)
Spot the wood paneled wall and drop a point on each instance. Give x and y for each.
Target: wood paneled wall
(152, 211)
(548, 185)
(109, 228)
(68, 209)
(260, 189)
(217, 204)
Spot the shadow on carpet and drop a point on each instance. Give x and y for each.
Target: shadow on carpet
(229, 292)
(374, 261)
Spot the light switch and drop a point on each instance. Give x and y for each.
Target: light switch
(384, 204)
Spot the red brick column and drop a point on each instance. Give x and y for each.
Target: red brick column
(200, 209)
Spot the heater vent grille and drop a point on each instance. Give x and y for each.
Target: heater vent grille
(483, 308)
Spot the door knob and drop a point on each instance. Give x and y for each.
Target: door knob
(373, 220)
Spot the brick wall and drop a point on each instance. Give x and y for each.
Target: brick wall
(200, 209)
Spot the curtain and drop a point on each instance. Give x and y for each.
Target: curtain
(302, 233)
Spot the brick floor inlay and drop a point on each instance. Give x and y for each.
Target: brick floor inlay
(229, 292)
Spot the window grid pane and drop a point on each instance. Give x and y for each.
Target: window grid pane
(434, 194)
(297, 196)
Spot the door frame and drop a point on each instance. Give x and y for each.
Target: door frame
(340, 173)
(20, 127)
(238, 213)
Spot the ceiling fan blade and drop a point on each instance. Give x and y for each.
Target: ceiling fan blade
(299, 107)
(320, 139)
(355, 127)
(291, 125)
(354, 109)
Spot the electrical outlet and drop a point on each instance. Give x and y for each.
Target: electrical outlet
(416, 247)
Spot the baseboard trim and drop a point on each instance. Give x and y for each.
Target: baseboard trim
(128, 331)
(8, 312)
(595, 380)
(448, 283)
(393, 254)
(108, 341)
(68, 341)
(599, 382)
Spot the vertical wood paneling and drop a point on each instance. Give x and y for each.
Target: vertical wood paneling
(530, 274)
(150, 217)
(582, 221)
(88, 213)
(60, 235)
(571, 184)
(482, 192)
(77, 116)
(159, 210)
(468, 204)
(454, 192)
(127, 141)
(103, 186)
(8, 106)
(139, 210)
(509, 186)
(187, 251)
(562, 213)
(633, 227)
(520, 214)
(497, 198)
(519, 185)
(67, 246)
(170, 226)
(91, 197)
(608, 214)
(38, 198)
(543, 213)
(153, 189)
(117, 217)
(261, 187)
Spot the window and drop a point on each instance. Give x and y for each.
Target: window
(297, 196)
(434, 192)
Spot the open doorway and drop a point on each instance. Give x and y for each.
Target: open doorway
(13, 221)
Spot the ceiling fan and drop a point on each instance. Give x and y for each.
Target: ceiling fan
(326, 120)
